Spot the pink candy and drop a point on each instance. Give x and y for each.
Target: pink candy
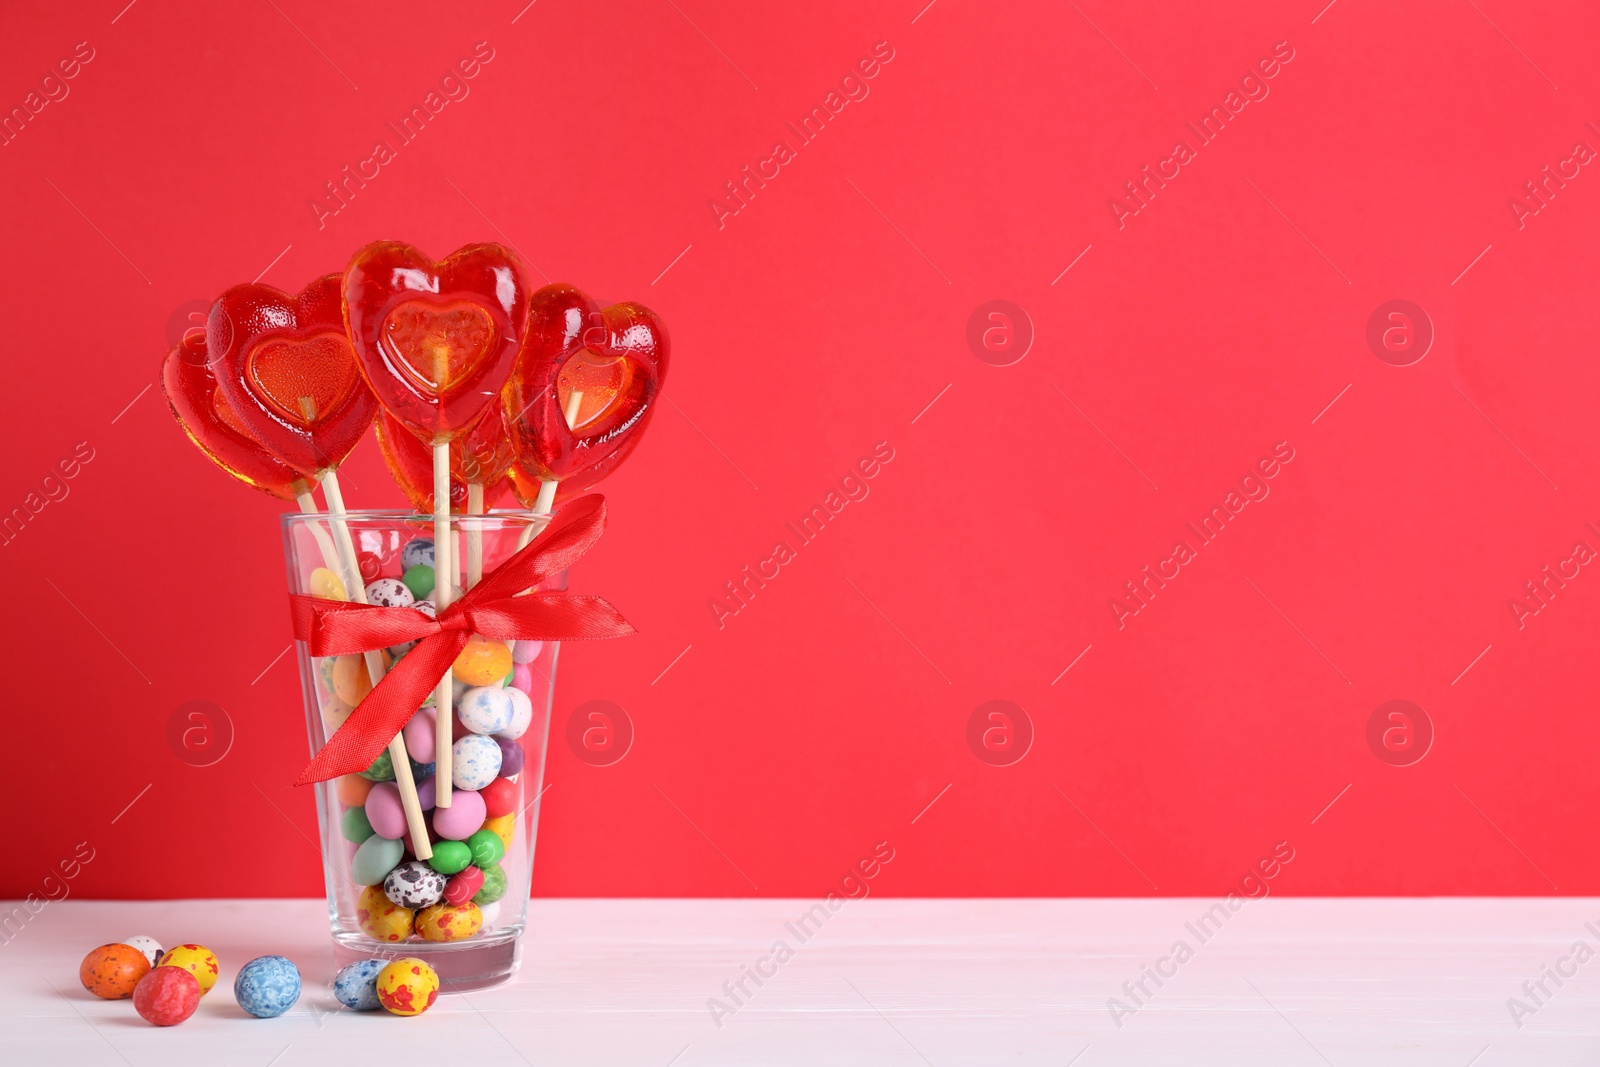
(419, 735)
(526, 651)
(384, 811)
(463, 818)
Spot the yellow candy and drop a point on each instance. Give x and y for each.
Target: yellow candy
(350, 681)
(483, 661)
(326, 584)
(381, 918)
(408, 986)
(503, 827)
(335, 712)
(197, 960)
(449, 922)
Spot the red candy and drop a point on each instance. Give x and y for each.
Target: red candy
(435, 341)
(463, 886)
(287, 371)
(411, 465)
(617, 358)
(200, 409)
(499, 798)
(167, 995)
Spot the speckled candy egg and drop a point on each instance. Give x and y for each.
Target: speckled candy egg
(488, 709)
(449, 922)
(414, 885)
(167, 995)
(477, 762)
(148, 945)
(521, 714)
(267, 986)
(356, 986)
(197, 960)
(418, 552)
(111, 972)
(382, 769)
(381, 918)
(389, 593)
(483, 661)
(407, 986)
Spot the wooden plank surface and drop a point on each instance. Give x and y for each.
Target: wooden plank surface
(940, 982)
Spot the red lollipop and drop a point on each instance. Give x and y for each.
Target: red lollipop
(435, 341)
(286, 369)
(200, 409)
(603, 367)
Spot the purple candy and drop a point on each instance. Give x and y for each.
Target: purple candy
(512, 757)
(425, 795)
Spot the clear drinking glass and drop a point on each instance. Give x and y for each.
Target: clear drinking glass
(330, 688)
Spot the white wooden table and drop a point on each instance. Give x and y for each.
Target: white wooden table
(940, 982)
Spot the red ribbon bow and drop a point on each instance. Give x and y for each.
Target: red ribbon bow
(492, 609)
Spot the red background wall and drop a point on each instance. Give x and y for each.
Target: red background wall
(824, 317)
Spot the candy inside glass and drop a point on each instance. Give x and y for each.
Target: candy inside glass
(472, 937)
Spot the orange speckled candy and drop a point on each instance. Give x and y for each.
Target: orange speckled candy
(381, 918)
(449, 922)
(483, 661)
(502, 826)
(407, 986)
(111, 971)
(350, 681)
(197, 960)
(352, 790)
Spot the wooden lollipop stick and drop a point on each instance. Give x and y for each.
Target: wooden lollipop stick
(443, 579)
(308, 506)
(358, 593)
(546, 500)
(474, 535)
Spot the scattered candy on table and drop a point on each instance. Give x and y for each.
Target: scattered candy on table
(198, 960)
(267, 986)
(407, 986)
(112, 971)
(167, 995)
(148, 945)
(356, 986)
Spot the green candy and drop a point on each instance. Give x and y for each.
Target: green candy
(382, 769)
(355, 826)
(451, 857)
(419, 580)
(494, 885)
(487, 848)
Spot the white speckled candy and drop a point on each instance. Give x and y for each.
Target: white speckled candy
(389, 593)
(414, 885)
(477, 762)
(148, 945)
(521, 715)
(486, 709)
(415, 552)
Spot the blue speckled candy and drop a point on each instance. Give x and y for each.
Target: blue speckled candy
(356, 986)
(267, 986)
(415, 552)
(477, 762)
(486, 709)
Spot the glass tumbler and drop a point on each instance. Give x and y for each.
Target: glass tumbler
(469, 951)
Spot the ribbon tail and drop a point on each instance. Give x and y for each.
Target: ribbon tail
(390, 705)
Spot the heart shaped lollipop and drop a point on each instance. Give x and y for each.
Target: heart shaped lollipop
(435, 341)
(200, 409)
(286, 370)
(614, 360)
